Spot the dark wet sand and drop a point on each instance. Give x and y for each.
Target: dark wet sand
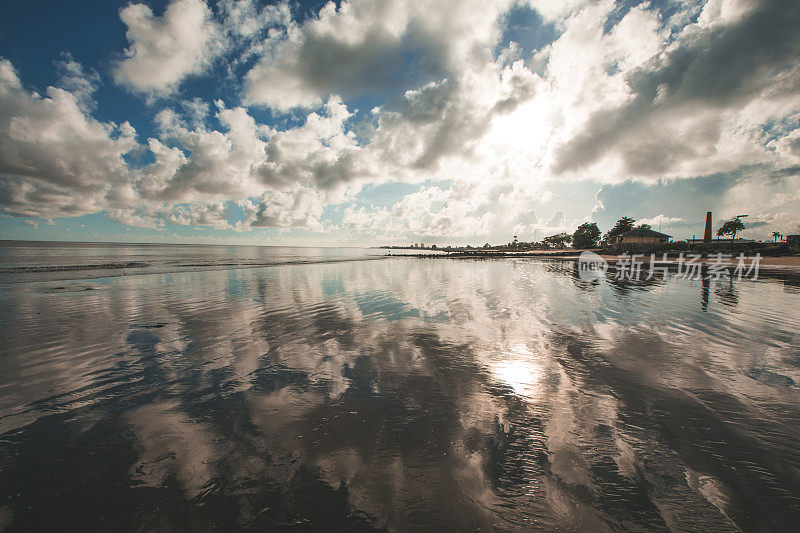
(401, 394)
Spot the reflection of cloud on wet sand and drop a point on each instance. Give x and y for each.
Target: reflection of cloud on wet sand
(171, 445)
(451, 394)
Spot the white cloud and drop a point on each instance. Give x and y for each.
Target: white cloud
(57, 160)
(79, 82)
(136, 217)
(299, 207)
(247, 159)
(245, 18)
(187, 38)
(699, 105)
(558, 10)
(365, 46)
(214, 214)
(164, 50)
(659, 219)
(716, 12)
(464, 211)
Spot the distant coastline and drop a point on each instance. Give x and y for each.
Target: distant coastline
(790, 261)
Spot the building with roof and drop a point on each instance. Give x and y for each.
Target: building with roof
(643, 236)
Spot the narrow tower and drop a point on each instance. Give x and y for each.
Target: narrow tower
(707, 235)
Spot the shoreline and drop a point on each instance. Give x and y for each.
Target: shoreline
(781, 262)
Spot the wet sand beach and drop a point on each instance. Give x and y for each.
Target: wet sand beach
(398, 394)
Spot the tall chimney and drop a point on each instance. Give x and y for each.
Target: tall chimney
(707, 235)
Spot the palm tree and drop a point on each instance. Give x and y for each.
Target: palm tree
(776, 236)
(624, 224)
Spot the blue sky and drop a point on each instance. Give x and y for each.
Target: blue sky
(391, 122)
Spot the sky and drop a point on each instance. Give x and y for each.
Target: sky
(365, 123)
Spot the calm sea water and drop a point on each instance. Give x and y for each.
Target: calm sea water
(364, 393)
(37, 261)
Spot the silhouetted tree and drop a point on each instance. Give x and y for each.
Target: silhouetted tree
(586, 236)
(731, 227)
(559, 239)
(623, 225)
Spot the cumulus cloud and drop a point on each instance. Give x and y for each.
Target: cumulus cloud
(365, 46)
(659, 219)
(135, 217)
(246, 158)
(299, 207)
(78, 81)
(213, 214)
(56, 160)
(699, 103)
(220, 165)
(164, 50)
(185, 40)
(462, 211)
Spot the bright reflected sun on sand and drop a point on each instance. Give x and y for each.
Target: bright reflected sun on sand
(520, 369)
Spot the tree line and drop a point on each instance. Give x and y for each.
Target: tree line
(587, 235)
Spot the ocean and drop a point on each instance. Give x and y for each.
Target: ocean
(155, 387)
